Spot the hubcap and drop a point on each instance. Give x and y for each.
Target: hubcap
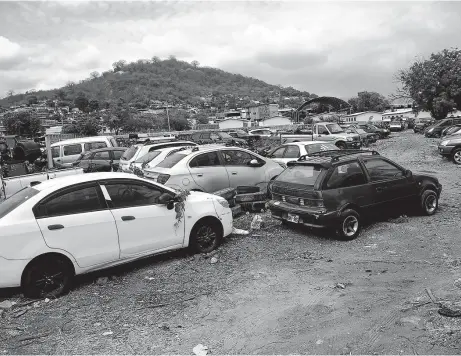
(457, 157)
(205, 237)
(49, 279)
(350, 226)
(431, 203)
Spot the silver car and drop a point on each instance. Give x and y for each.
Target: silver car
(212, 168)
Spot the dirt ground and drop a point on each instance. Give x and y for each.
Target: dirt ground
(275, 291)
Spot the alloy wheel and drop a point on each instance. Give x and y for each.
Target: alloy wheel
(205, 237)
(350, 226)
(431, 203)
(457, 157)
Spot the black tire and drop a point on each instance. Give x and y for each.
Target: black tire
(429, 202)
(349, 225)
(205, 236)
(341, 145)
(456, 155)
(47, 277)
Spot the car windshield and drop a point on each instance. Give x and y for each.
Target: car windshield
(319, 147)
(11, 203)
(171, 160)
(240, 132)
(372, 127)
(84, 155)
(305, 175)
(148, 157)
(225, 135)
(360, 131)
(334, 128)
(129, 153)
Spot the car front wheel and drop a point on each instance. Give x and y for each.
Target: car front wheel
(349, 225)
(456, 156)
(205, 236)
(429, 202)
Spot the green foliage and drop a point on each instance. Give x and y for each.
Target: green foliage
(180, 206)
(368, 101)
(81, 102)
(434, 83)
(21, 123)
(93, 105)
(32, 99)
(88, 127)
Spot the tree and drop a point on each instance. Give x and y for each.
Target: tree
(434, 83)
(21, 123)
(156, 59)
(195, 64)
(368, 101)
(117, 116)
(88, 127)
(119, 65)
(93, 105)
(81, 102)
(94, 75)
(32, 99)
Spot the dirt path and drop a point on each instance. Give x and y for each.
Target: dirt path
(275, 291)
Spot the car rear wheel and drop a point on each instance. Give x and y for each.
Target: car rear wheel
(341, 145)
(205, 236)
(456, 156)
(47, 277)
(349, 225)
(429, 202)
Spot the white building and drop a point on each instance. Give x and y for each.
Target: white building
(233, 123)
(398, 114)
(364, 116)
(276, 121)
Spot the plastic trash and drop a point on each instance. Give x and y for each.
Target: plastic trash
(236, 231)
(200, 350)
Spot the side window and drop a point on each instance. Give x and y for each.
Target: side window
(236, 158)
(205, 160)
(78, 201)
(379, 169)
(72, 150)
(322, 130)
(117, 155)
(125, 195)
(104, 155)
(346, 175)
(278, 153)
(94, 145)
(214, 136)
(55, 152)
(205, 136)
(292, 151)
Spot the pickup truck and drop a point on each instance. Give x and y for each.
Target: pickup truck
(327, 131)
(15, 184)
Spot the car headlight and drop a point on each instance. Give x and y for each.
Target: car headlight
(224, 203)
(444, 143)
(349, 139)
(430, 130)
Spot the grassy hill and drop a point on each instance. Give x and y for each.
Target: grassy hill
(171, 80)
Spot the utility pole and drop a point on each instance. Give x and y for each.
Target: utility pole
(168, 117)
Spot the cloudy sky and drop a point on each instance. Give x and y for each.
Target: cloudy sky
(328, 48)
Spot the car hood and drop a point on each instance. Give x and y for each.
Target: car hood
(421, 175)
(455, 137)
(200, 196)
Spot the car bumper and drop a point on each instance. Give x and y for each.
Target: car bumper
(11, 272)
(353, 144)
(316, 218)
(227, 223)
(445, 150)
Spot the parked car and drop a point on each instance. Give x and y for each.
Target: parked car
(213, 168)
(436, 129)
(140, 149)
(217, 137)
(365, 137)
(396, 126)
(68, 151)
(381, 132)
(421, 124)
(69, 226)
(261, 132)
(293, 151)
(338, 191)
(152, 158)
(450, 130)
(450, 147)
(100, 160)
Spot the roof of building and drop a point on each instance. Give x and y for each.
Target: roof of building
(398, 112)
(363, 112)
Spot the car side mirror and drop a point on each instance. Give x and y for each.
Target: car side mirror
(166, 199)
(254, 163)
(408, 173)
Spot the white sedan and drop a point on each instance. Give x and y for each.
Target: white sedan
(153, 158)
(293, 150)
(68, 226)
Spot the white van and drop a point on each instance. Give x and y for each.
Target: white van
(66, 152)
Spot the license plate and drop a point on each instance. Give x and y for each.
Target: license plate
(293, 218)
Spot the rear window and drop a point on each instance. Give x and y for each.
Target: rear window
(148, 157)
(319, 147)
(306, 175)
(16, 200)
(129, 153)
(171, 161)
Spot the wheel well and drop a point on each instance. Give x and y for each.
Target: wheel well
(50, 256)
(214, 220)
(196, 190)
(340, 143)
(351, 206)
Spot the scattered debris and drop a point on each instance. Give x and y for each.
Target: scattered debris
(450, 312)
(107, 333)
(46, 300)
(200, 350)
(256, 222)
(400, 220)
(163, 326)
(6, 304)
(368, 270)
(17, 313)
(102, 280)
(213, 260)
(149, 278)
(236, 231)
(319, 342)
(457, 283)
(340, 285)
(97, 324)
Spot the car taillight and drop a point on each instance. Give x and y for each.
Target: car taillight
(162, 178)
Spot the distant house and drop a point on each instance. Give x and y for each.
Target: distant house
(260, 112)
(364, 116)
(276, 121)
(233, 123)
(398, 114)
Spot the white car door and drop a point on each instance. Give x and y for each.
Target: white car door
(277, 155)
(208, 172)
(78, 220)
(292, 153)
(239, 170)
(144, 226)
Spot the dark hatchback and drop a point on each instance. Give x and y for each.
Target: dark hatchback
(339, 189)
(436, 129)
(100, 160)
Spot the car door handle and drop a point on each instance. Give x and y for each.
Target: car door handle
(199, 175)
(380, 189)
(128, 218)
(234, 173)
(55, 227)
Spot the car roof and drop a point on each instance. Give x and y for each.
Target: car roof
(331, 158)
(303, 143)
(81, 140)
(52, 185)
(108, 149)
